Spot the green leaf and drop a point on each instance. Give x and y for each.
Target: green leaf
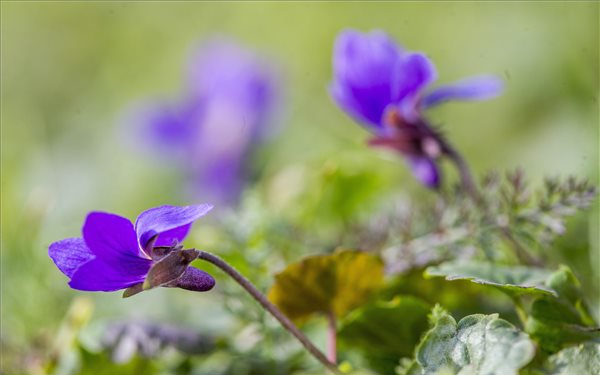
(558, 321)
(408, 367)
(386, 330)
(515, 280)
(335, 283)
(393, 327)
(478, 344)
(558, 315)
(581, 360)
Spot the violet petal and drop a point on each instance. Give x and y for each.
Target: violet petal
(411, 75)
(363, 69)
(475, 88)
(110, 237)
(104, 275)
(425, 170)
(167, 222)
(69, 254)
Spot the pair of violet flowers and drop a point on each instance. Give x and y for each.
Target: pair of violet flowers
(229, 99)
(226, 110)
(386, 89)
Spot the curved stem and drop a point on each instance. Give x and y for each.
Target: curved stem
(264, 302)
(463, 169)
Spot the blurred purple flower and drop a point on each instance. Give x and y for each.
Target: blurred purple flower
(226, 110)
(114, 254)
(386, 89)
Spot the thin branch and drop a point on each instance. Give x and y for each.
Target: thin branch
(463, 169)
(264, 302)
(331, 338)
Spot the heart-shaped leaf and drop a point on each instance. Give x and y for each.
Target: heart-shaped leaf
(334, 283)
(478, 344)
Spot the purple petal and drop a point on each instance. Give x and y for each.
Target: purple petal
(363, 69)
(164, 220)
(365, 114)
(411, 75)
(195, 280)
(173, 236)
(107, 275)
(425, 170)
(223, 71)
(110, 237)
(69, 254)
(476, 88)
(221, 180)
(364, 59)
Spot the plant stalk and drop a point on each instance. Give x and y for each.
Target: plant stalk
(264, 302)
(466, 178)
(331, 338)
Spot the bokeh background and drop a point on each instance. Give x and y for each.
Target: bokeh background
(71, 70)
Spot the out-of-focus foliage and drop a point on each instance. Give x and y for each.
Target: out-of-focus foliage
(70, 70)
(581, 359)
(327, 284)
(385, 331)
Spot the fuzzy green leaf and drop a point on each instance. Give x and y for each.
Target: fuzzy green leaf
(478, 345)
(581, 360)
(515, 280)
(335, 283)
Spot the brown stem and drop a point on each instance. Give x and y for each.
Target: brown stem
(331, 338)
(463, 169)
(264, 302)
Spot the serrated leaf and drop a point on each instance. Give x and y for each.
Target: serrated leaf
(335, 283)
(583, 359)
(478, 345)
(515, 280)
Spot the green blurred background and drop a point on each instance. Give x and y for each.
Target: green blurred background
(70, 70)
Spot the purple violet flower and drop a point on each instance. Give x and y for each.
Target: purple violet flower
(386, 89)
(224, 113)
(114, 254)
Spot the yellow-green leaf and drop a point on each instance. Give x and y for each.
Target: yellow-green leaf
(335, 283)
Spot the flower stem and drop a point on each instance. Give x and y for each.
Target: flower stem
(264, 302)
(331, 338)
(463, 169)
